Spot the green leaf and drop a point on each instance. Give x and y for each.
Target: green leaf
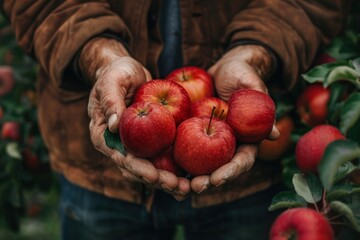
(342, 73)
(13, 150)
(343, 171)
(356, 64)
(336, 154)
(113, 141)
(341, 191)
(345, 211)
(350, 112)
(319, 73)
(287, 199)
(308, 187)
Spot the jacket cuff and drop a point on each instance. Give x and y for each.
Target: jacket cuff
(78, 82)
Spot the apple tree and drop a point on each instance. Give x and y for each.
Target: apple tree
(334, 189)
(24, 162)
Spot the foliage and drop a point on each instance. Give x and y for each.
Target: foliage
(24, 162)
(334, 190)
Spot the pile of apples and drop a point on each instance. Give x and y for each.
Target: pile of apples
(182, 126)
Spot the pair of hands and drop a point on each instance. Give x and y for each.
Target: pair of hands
(115, 77)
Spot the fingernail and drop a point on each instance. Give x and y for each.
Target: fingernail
(112, 120)
(203, 188)
(165, 187)
(220, 183)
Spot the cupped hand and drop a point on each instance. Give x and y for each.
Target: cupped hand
(115, 77)
(243, 67)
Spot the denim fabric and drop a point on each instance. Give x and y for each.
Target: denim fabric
(91, 216)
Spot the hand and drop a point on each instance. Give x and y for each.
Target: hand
(245, 66)
(115, 77)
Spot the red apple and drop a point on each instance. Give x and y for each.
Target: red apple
(167, 93)
(147, 129)
(31, 160)
(270, 150)
(204, 107)
(311, 146)
(301, 224)
(11, 130)
(165, 161)
(323, 58)
(1, 112)
(197, 82)
(251, 115)
(7, 81)
(203, 145)
(311, 104)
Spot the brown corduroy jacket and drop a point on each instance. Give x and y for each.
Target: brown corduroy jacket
(53, 31)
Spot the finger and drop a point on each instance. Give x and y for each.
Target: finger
(140, 167)
(275, 133)
(130, 176)
(112, 100)
(148, 76)
(183, 189)
(242, 161)
(200, 183)
(167, 180)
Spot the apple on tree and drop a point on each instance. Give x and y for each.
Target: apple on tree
(251, 115)
(197, 82)
(302, 224)
(270, 150)
(11, 130)
(167, 93)
(7, 81)
(311, 146)
(203, 144)
(311, 104)
(204, 107)
(147, 129)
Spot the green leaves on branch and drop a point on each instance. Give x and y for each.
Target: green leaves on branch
(350, 113)
(336, 71)
(336, 154)
(345, 211)
(287, 199)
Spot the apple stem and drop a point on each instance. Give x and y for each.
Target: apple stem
(211, 117)
(324, 199)
(184, 75)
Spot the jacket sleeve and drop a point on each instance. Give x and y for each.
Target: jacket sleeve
(293, 29)
(53, 31)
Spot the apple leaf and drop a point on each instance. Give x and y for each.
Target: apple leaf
(308, 187)
(286, 199)
(356, 64)
(350, 112)
(345, 211)
(342, 73)
(343, 171)
(319, 73)
(343, 47)
(12, 149)
(113, 141)
(341, 191)
(336, 154)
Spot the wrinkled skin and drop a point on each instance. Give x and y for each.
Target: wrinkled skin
(115, 76)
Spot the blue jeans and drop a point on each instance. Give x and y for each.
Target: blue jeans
(92, 216)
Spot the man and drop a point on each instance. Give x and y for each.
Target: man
(94, 54)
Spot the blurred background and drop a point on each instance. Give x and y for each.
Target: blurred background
(28, 189)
